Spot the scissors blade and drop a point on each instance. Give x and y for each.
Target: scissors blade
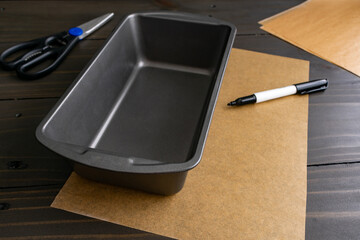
(93, 25)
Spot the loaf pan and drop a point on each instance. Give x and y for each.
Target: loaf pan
(138, 115)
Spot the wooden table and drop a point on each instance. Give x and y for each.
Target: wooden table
(31, 175)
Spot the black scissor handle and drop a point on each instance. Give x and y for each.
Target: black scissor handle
(58, 53)
(55, 47)
(11, 65)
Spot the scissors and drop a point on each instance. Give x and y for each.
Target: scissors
(55, 46)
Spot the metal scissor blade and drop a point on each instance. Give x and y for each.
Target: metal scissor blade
(93, 25)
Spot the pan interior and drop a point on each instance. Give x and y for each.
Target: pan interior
(147, 92)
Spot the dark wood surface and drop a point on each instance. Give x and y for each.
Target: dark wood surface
(31, 175)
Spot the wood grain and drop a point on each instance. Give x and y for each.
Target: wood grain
(333, 210)
(35, 175)
(23, 160)
(40, 18)
(30, 217)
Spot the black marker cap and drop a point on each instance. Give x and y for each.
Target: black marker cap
(312, 86)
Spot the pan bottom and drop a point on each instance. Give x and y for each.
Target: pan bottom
(157, 114)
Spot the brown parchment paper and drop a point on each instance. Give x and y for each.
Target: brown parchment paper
(326, 28)
(251, 181)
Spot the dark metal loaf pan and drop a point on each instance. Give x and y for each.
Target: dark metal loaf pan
(138, 114)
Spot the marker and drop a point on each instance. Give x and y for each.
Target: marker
(300, 88)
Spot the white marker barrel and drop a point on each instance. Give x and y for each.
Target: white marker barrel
(275, 93)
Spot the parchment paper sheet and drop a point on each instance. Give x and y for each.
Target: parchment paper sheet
(326, 28)
(251, 181)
